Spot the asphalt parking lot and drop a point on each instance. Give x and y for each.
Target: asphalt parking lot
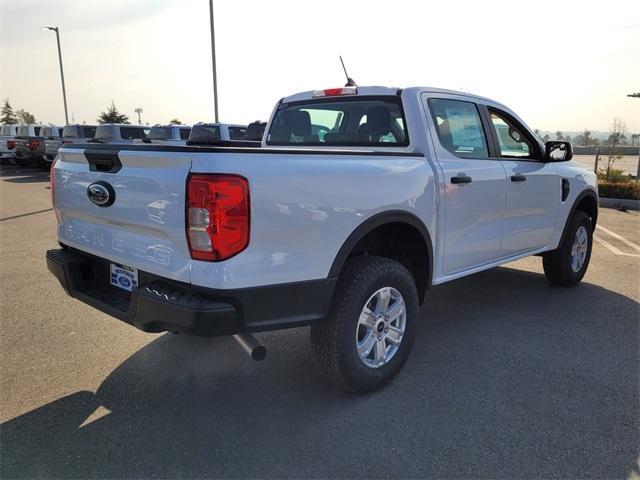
(509, 378)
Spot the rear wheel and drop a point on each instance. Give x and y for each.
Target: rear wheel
(567, 264)
(370, 330)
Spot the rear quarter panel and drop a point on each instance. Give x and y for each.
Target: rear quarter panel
(304, 206)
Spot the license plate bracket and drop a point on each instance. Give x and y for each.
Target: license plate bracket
(123, 277)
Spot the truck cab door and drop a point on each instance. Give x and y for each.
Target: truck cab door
(473, 184)
(533, 186)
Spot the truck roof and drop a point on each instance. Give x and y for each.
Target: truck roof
(381, 90)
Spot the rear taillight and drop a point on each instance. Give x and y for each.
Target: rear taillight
(11, 144)
(33, 144)
(52, 187)
(217, 216)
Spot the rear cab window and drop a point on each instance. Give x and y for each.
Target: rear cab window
(237, 133)
(341, 121)
(184, 133)
(70, 132)
(160, 133)
(104, 132)
(132, 133)
(205, 133)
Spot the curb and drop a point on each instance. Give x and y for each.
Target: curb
(620, 203)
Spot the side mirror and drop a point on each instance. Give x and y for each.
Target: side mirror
(556, 151)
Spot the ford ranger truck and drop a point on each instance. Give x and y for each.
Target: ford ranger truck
(357, 201)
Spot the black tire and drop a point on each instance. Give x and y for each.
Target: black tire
(334, 339)
(557, 264)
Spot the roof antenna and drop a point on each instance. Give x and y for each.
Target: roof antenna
(350, 81)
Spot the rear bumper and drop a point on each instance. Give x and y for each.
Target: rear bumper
(159, 304)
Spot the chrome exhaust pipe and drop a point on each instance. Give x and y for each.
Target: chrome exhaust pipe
(250, 345)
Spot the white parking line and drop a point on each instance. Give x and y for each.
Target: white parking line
(613, 249)
(622, 239)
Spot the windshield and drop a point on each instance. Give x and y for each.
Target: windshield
(160, 133)
(104, 132)
(343, 121)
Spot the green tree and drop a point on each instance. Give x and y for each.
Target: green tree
(635, 138)
(175, 121)
(112, 115)
(25, 117)
(7, 117)
(616, 138)
(559, 135)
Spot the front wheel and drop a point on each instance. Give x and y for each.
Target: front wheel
(567, 264)
(369, 332)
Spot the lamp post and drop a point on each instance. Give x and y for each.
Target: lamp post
(64, 91)
(213, 60)
(139, 112)
(636, 95)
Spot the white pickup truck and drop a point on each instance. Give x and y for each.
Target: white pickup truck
(357, 201)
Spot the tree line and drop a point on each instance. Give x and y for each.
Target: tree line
(111, 115)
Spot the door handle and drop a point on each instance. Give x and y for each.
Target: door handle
(461, 179)
(518, 178)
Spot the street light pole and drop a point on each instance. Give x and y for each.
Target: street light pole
(213, 61)
(636, 95)
(64, 91)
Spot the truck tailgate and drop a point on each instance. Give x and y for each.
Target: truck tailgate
(144, 227)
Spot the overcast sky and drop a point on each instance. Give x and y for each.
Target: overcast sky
(559, 64)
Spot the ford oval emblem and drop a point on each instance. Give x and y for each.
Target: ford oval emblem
(101, 193)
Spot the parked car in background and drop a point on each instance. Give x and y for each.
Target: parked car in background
(207, 133)
(30, 146)
(119, 133)
(168, 134)
(255, 131)
(8, 142)
(70, 134)
(343, 228)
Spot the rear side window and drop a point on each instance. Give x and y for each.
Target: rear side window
(184, 133)
(36, 131)
(237, 133)
(347, 121)
(132, 133)
(459, 127)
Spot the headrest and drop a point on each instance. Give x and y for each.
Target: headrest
(298, 121)
(378, 120)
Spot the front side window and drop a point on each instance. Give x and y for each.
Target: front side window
(459, 127)
(512, 139)
(346, 121)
